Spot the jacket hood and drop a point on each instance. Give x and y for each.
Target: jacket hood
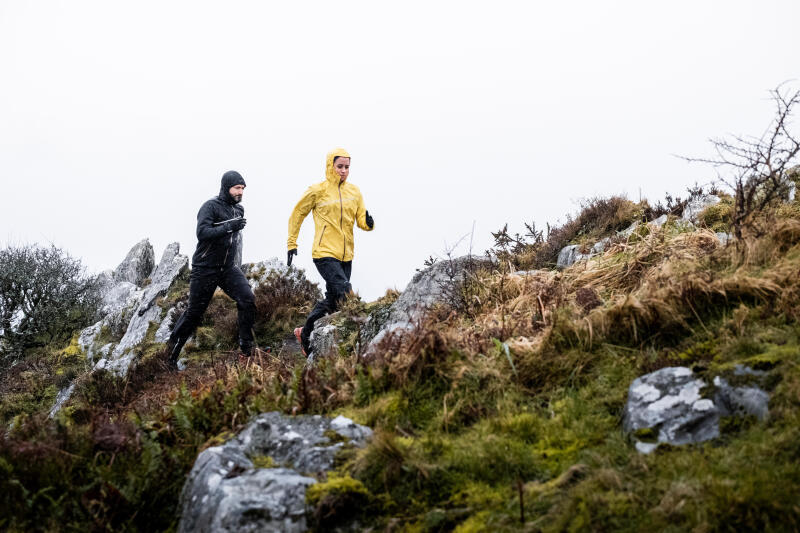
(330, 173)
(229, 179)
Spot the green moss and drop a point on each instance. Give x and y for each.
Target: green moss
(646, 434)
(705, 351)
(718, 217)
(73, 350)
(206, 338)
(335, 485)
(263, 461)
(734, 424)
(334, 437)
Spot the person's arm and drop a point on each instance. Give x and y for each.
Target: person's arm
(206, 230)
(299, 213)
(363, 219)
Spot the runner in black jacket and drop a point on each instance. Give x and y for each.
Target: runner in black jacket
(214, 264)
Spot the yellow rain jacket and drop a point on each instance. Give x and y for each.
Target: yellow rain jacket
(336, 207)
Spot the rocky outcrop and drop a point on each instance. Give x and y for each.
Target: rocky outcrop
(676, 407)
(128, 310)
(258, 273)
(427, 288)
(229, 488)
(172, 264)
(137, 265)
(571, 254)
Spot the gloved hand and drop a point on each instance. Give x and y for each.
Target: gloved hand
(370, 222)
(237, 224)
(289, 256)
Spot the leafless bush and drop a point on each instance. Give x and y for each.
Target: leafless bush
(44, 297)
(757, 169)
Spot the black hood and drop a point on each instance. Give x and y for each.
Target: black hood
(229, 179)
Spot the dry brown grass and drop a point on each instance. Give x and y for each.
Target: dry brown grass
(660, 284)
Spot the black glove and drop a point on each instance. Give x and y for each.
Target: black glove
(289, 255)
(370, 222)
(235, 224)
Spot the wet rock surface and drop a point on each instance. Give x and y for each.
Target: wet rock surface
(172, 264)
(427, 288)
(137, 265)
(128, 310)
(227, 492)
(677, 407)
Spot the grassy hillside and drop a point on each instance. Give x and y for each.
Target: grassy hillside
(501, 412)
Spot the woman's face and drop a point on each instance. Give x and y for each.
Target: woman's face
(342, 168)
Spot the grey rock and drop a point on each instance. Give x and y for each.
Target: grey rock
(569, 255)
(86, 338)
(741, 401)
(724, 238)
(741, 370)
(427, 288)
(600, 246)
(257, 273)
(224, 492)
(63, 395)
(324, 341)
(118, 304)
(137, 265)
(172, 264)
(627, 232)
(696, 206)
(165, 329)
(660, 221)
(669, 400)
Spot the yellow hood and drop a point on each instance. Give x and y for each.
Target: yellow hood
(330, 173)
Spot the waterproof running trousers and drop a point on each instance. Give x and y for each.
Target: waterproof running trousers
(202, 284)
(337, 286)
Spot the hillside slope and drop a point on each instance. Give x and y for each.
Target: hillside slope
(500, 410)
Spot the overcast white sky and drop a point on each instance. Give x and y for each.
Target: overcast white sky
(117, 119)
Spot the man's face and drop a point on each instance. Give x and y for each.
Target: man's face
(236, 192)
(342, 168)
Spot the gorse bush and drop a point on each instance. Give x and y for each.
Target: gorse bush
(44, 297)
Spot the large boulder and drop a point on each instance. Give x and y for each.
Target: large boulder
(226, 491)
(137, 265)
(676, 407)
(426, 289)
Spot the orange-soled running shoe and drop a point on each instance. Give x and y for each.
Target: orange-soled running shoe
(297, 332)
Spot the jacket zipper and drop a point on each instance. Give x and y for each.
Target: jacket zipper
(228, 250)
(322, 234)
(341, 222)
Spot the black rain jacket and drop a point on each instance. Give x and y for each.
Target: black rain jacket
(216, 248)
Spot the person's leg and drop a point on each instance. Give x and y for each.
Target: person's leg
(336, 287)
(201, 288)
(235, 285)
(347, 268)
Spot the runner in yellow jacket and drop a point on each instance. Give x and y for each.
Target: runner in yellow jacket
(337, 205)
